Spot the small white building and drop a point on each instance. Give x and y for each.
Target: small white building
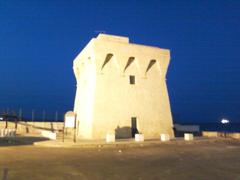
(121, 89)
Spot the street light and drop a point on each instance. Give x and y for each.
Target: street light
(225, 122)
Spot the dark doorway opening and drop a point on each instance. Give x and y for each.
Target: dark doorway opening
(134, 126)
(132, 79)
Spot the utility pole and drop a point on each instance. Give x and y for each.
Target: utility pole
(33, 115)
(20, 114)
(44, 115)
(56, 116)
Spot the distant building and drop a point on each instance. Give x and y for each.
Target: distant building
(121, 89)
(181, 129)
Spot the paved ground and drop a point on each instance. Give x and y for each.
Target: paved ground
(202, 160)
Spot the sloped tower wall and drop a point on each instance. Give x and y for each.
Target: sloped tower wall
(121, 89)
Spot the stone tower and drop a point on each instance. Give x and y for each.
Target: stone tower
(121, 89)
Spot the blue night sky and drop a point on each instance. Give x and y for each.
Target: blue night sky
(40, 39)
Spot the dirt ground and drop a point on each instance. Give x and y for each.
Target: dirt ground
(220, 160)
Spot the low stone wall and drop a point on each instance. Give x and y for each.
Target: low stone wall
(235, 135)
(24, 128)
(32, 127)
(2, 124)
(221, 134)
(210, 134)
(53, 126)
(10, 125)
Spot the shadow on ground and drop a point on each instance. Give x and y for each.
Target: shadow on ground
(18, 141)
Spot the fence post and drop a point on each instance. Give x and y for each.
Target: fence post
(33, 115)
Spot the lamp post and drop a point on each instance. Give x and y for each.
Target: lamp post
(224, 123)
